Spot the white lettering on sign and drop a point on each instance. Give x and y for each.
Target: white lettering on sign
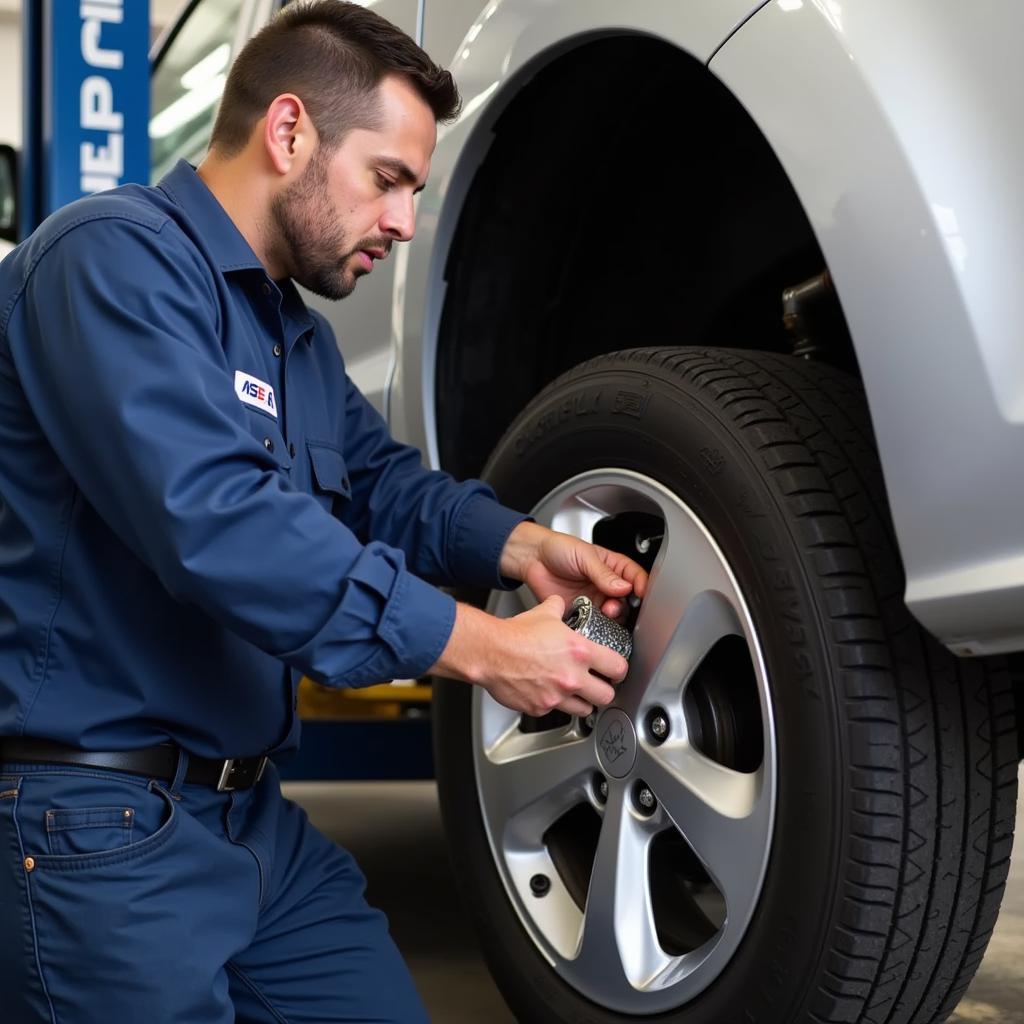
(98, 106)
(102, 165)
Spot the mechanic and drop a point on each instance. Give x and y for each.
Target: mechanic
(197, 507)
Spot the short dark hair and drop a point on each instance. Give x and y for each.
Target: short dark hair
(333, 56)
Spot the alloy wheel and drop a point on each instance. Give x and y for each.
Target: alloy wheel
(633, 845)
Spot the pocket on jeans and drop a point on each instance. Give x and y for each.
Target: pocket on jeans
(79, 830)
(63, 834)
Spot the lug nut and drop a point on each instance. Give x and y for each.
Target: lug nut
(587, 724)
(645, 799)
(643, 544)
(601, 789)
(657, 725)
(540, 885)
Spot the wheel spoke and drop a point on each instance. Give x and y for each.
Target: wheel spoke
(526, 598)
(578, 517)
(532, 779)
(720, 813)
(619, 941)
(677, 629)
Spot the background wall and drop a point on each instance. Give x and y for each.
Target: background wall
(10, 71)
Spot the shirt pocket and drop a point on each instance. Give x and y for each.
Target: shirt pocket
(78, 830)
(265, 430)
(331, 484)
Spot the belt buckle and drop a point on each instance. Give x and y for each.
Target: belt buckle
(231, 765)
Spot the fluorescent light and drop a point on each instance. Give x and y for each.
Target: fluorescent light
(186, 107)
(215, 61)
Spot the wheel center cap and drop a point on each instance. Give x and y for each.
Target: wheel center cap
(616, 743)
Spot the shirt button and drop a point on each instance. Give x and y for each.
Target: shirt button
(266, 288)
(268, 444)
(277, 350)
(291, 450)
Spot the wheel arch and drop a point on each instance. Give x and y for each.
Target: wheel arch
(510, 42)
(582, 190)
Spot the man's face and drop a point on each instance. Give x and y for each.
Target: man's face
(353, 202)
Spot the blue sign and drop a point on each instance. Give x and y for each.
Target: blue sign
(95, 97)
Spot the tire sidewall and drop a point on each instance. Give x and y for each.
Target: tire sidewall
(642, 420)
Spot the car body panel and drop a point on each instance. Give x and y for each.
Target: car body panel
(897, 125)
(504, 47)
(445, 24)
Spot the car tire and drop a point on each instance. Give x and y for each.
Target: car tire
(892, 765)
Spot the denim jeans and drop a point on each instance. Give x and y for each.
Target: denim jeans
(138, 900)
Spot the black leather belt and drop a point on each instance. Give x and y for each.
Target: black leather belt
(156, 762)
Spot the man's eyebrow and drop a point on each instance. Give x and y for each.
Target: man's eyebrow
(401, 169)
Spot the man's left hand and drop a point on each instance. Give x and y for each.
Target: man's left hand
(558, 563)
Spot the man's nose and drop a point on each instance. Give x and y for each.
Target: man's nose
(399, 220)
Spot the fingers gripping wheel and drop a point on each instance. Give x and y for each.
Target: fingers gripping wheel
(585, 619)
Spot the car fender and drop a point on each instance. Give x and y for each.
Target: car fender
(508, 43)
(898, 127)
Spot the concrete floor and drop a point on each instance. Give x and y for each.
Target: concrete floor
(395, 833)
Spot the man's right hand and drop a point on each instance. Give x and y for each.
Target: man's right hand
(531, 662)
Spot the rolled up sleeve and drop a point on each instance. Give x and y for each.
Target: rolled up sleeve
(412, 620)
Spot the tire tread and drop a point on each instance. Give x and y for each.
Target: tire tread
(946, 866)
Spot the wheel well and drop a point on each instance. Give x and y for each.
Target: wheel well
(627, 199)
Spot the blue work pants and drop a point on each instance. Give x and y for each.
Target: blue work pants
(130, 899)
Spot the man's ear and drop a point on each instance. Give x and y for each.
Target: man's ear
(287, 134)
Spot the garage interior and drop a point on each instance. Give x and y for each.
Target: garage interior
(393, 827)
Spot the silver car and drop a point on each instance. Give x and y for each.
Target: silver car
(729, 286)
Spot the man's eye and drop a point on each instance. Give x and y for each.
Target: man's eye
(384, 183)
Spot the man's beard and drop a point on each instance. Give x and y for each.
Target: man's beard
(309, 232)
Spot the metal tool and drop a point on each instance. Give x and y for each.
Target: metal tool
(586, 620)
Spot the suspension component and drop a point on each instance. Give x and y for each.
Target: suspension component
(800, 304)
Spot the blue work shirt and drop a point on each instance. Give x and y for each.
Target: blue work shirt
(197, 506)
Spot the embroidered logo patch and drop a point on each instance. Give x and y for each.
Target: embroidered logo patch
(255, 392)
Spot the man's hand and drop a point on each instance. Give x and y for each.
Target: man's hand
(559, 564)
(531, 662)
